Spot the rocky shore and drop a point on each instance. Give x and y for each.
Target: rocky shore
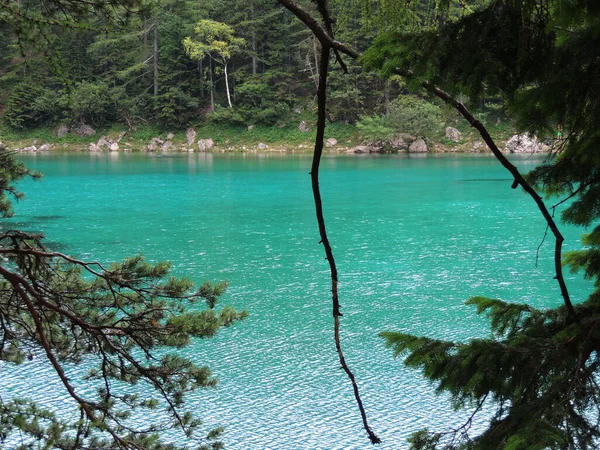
(192, 142)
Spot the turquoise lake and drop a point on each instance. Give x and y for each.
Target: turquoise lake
(414, 238)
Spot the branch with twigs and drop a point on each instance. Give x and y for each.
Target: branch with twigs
(81, 310)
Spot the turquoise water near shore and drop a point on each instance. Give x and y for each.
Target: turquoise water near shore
(414, 238)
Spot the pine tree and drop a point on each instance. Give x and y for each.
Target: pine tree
(126, 321)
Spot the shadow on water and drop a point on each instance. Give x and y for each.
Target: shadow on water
(45, 218)
(477, 180)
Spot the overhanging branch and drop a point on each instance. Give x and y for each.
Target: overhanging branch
(327, 40)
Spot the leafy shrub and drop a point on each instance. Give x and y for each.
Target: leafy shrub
(92, 102)
(375, 129)
(408, 114)
(413, 115)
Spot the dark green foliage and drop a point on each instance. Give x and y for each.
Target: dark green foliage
(25, 107)
(538, 371)
(175, 108)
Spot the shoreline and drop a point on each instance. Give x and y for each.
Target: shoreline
(239, 142)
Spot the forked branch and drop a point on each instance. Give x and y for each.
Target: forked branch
(325, 36)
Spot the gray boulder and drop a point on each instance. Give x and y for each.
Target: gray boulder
(2, 146)
(453, 134)
(331, 142)
(303, 127)
(250, 127)
(190, 135)
(365, 149)
(61, 131)
(478, 147)
(523, 143)
(205, 144)
(103, 142)
(114, 147)
(419, 146)
(83, 129)
(262, 146)
(170, 137)
(399, 143)
(44, 148)
(167, 146)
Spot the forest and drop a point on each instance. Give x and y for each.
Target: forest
(173, 64)
(219, 64)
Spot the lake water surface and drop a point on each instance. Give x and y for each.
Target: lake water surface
(414, 238)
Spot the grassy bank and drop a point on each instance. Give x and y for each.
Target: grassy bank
(237, 139)
(226, 138)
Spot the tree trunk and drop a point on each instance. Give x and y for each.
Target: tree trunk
(227, 83)
(212, 87)
(253, 37)
(386, 96)
(156, 58)
(316, 54)
(201, 72)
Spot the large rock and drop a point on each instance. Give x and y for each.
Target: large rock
(167, 146)
(453, 134)
(205, 144)
(190, 135)
(303, 127)
(524, 143)
(331, 142)
(2, 146)
(170, 137)
(31, 149)
(362, 149)
(103, 142)
(114, 147)
(94, 148)
(365, 149)
(61, 131)
(44, 148)
(478, 147)
(399, 143)
(83, 129)
(262, 146)
(419, 146)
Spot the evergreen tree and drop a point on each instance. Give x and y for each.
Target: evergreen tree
(539, 369)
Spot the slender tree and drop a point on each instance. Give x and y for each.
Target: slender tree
(216, 40)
